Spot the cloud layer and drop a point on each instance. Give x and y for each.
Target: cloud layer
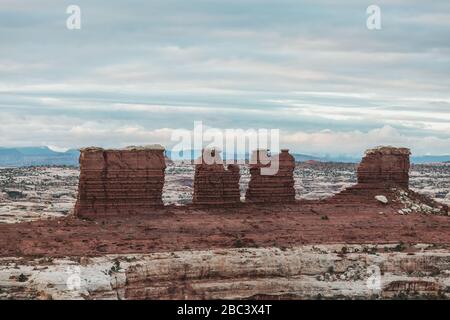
(139, 69)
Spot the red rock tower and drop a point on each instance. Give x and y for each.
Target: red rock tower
(385, 166)
(213, 184)
(120, 182)
(275, 187)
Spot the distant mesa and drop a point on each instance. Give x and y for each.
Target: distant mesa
(312, 162)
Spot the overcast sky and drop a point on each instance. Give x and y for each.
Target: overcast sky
(139, 69)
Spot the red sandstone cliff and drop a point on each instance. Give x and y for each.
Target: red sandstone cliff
(117, 182)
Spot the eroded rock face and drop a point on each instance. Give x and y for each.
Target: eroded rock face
(118, 182)
(383, 171)
(213, 184)
(301, 272)
(385, 165)
(278, 187)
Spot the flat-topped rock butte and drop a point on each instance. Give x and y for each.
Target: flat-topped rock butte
(120, 181)
(386, 166)
(128, 220)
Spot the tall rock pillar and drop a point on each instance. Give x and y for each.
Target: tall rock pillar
(385, 166)
(213, 184)
(120, 182)
(272, 187)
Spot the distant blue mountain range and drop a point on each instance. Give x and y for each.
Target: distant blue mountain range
(37, 156)
(44, 156)
(430, 159)
(350, 159)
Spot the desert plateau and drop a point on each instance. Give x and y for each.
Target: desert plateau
(131, 224)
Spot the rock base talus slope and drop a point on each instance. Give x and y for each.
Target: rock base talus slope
(275, 186)
(120, 182)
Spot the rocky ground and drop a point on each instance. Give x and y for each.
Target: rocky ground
(335, 271)
(349, 217)
(359, 244)
(28, 194)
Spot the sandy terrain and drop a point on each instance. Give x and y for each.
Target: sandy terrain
(175, 228)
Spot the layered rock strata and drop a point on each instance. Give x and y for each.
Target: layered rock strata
(213, 184)
(301, 272)
(274, 185)
(385, 165)
(383, 171)
(120, 182)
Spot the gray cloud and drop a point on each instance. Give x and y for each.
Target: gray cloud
(138, 69)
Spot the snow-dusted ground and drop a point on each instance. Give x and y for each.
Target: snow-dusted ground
(325, 271)
(35, 193)
(322, 180)
(432, 180)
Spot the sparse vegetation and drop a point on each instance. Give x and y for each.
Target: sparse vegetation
(399, 247)
(22, 278)
(115, 267)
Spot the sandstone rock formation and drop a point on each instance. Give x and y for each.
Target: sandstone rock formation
(118, 182)
(381, 172)
(213, 184)
(299, 272)
(385, 165)
(277, 187)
